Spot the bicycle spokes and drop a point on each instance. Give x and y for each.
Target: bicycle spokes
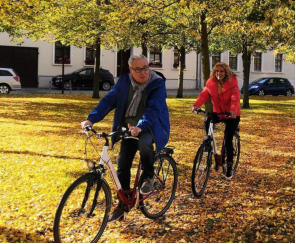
(83, 212)
(165, 183)
(200, 171)
(162, 172)
(94, 204)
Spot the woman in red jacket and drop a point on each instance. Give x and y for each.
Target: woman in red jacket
(222, 88)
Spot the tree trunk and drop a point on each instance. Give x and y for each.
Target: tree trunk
(181, 72)
(144, 49)
(144, 44)
(246, 64)
(205, 57)
(96, 84)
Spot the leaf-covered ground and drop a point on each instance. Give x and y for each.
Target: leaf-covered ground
(41, 153)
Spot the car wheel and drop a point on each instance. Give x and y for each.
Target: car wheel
(106, 86)
(4, 89)
(261, 93)
(68, 85)
(289, 93)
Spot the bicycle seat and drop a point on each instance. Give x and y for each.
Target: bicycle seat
(168, 150)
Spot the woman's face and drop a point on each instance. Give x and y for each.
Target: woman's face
(220, 73)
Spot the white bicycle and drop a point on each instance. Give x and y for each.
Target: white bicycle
(203, 160)
(82, 214)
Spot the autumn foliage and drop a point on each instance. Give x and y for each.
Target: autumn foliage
(42, 153)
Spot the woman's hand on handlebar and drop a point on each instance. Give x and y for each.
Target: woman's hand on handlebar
(86, 123)
(232, 114)
(194, 108)
(135, 131)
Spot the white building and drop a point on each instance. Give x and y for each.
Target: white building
(37, 62)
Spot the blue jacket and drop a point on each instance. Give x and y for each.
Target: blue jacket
(155, 118)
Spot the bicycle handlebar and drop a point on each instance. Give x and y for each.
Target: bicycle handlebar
(123, 133)
(199, 110)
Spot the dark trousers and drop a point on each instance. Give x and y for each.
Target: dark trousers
(230, 127)
(127, 153)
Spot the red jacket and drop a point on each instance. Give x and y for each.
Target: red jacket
(227, 101)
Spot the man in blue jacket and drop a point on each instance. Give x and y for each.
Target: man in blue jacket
(139, 100)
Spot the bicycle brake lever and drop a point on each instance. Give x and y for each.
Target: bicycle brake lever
(88, 128)
(199, 110)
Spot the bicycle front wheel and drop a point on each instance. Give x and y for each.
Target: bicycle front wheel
(236, 154)
(201, 171)
(82, 214)
(165, 185)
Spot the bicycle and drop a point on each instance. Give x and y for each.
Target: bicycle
(82, 213)
(203, 159)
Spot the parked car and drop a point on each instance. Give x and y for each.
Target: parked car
(83, 79)
(270, 86)
(9, 80)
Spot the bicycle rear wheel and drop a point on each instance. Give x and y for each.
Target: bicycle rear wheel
(236, 154)
(201, 170)
(165, 185)
(82, 214)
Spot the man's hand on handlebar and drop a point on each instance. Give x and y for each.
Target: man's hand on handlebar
(135, 131)
(86, 123)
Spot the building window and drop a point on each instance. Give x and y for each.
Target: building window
(257, 61)
(61, 50)
(216, 58)
(155, 58)
(90, 55)
(233, 61)
(177, 59)
(279, 62)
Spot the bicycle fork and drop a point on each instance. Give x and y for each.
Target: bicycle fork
(94, 182)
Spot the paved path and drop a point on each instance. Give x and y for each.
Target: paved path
(54, 91)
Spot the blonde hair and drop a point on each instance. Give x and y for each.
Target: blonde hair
(228, 71)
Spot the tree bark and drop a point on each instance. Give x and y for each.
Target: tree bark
(181, 72)
(246, 64)
(96, 84)
(144, 45)
(205, 57)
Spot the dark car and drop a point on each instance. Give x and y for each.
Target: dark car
(83, 79)
(270, 86)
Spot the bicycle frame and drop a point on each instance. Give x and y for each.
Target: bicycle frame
(211, 135)
(105, 159)
(134, 193)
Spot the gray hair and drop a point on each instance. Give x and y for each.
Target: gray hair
(134, 57)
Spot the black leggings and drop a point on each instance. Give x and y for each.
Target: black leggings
(230, 127)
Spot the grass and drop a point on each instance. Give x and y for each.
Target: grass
(41, 152)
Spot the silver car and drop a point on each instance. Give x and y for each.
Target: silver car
(9, 80)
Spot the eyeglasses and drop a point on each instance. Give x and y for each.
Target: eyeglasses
(139, 70)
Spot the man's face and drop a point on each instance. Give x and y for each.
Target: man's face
(140, 70)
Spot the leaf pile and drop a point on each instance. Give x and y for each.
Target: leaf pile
(42, 153)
